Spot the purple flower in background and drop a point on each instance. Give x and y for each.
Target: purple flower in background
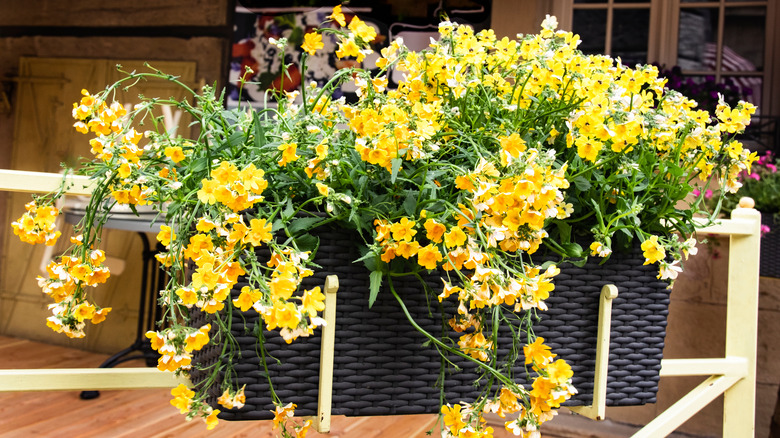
(765, 229)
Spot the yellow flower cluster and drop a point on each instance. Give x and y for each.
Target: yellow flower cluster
(464, 421)
(358, 36)
(37, 224)
(234, 188)
(283, 421)
(553, 385)
(176, 347)
(233, 399)
(184, 402)
(550, 388)
(93, 114)
(68, 278)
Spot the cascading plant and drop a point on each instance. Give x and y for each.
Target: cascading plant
(488, 150)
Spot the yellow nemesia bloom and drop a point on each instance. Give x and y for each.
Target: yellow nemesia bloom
(312, 42)
(338, 16)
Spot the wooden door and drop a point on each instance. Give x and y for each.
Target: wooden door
(43, 138)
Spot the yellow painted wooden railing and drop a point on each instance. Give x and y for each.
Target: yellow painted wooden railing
(733, 375)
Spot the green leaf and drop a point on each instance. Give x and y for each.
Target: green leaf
(395, 164)
(307, 242)
(597, 210)
(260, 139)
(289, 211)
(375, 282)
(582, 183)
(410, 205)
(564, 231)
(198, 165)
(572, 249)
(303, 224)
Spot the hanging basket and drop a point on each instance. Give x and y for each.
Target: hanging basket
(770, 248)
(383, 367)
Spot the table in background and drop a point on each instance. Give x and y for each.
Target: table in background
(153, 279)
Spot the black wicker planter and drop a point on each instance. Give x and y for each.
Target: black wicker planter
(770, 248)
(382, 368)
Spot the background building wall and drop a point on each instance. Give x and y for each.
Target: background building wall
(97, 33)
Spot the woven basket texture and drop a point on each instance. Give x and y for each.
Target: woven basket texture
(383, 368)
(770, 248)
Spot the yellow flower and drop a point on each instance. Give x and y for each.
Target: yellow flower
(403, 229)
(338, 16)
(246, 299)
(313, 301)
(455, 237)
(312, 42)
(599, 249)
(212, 420)
(452, 418)
(288, 153)
(182, 397)
(322, 188)
(284, 315)
(559, 371)
(428, 257)
(347, 48)
(537, 353)
(362, 30)
(434, 230)
(165, 235)
(187, 295)
(175, 153)
(514, 145)
(259, 231)
(407, 249)
(587, 148)
(653, 250)
(100, 315)
(283, 413)
(198, 339)
(205, 276)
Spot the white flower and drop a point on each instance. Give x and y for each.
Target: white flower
(550, 22)
(669, 271)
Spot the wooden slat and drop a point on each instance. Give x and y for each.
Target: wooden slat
(65, 379)
(43, 182)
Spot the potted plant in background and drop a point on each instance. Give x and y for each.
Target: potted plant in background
(763, 186)
(460, 192)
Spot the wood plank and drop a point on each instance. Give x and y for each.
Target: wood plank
(115, 14)
(44, 182)
(86, 378)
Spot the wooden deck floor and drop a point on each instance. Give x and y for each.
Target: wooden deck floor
(142, 413)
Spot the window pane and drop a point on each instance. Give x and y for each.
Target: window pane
(591, 26)
(630, 29)
(697, 36)
(744, 33)
(631, 1)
